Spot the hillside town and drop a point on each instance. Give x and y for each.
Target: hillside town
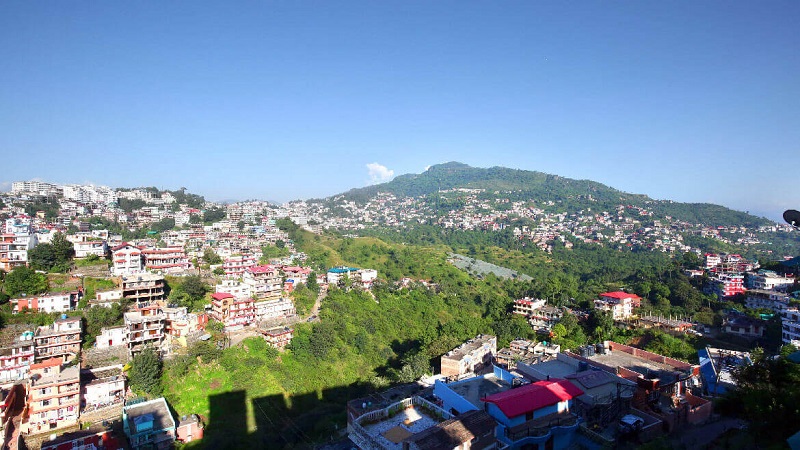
(61, 385)
(625, 226)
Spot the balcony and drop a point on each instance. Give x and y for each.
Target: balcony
(537, 429)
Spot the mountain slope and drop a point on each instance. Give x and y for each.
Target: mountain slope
(523, 185)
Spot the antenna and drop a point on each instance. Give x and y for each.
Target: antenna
(792, 217)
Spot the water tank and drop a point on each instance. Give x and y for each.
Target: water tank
(583, 366)
(590, 350)
(63, 316)
(583, 351)
(600, 349)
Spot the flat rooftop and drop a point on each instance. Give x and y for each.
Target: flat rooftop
(162, 418)
(469, 347)
(69, 374)
(474, 389)
(391, 431)
(649, 369)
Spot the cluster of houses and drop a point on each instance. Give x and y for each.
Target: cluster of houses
(594, 397)
(626, 226)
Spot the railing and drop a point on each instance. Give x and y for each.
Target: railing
(542, 429)
(364, 440)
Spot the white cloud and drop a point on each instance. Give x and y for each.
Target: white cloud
(379, 173)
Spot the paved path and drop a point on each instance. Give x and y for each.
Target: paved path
(702, 435)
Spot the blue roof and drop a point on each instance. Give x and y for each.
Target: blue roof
(708, 374)
(342, 270)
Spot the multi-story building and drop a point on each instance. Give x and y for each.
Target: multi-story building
(127, 260)
(297, 273)
(97, 248)
(790, 324)
(469, 357)
(660, 380)
(235, 266)
(264, 281)
(112, 336)
(712, 260)
(539, 315)
(233, 312)
(16, 353)
(102, 387)
(236, 288)
(726, 285)
(769, 280)
(180, 323)
(526, 306)
(60, 340)
(619, 304)
(763, 299)
(143, 287)
(279, 337)
(273, 309)
(144, 327)
(106, 298)
(166, 260)
(149, 424)
(54, 396)
(17, 238)
(49, 303)
(35, 188)
(744, 326)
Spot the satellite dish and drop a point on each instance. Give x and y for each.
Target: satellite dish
(792, 217)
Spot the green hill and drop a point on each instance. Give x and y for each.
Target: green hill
(568, 194)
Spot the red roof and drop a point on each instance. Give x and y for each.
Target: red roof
(221, 295)
(619, 295)
(120, 247)
(52, 362)
(261, 269)
(532, 397)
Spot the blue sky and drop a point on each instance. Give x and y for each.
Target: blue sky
(691, 101)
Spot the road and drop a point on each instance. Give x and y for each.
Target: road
(238, 336)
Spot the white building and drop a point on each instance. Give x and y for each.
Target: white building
(790, 322)
(58, 302)
(619, 304)
(274, 309)
(769, 280)
(237, 289)
(127, 260)
(264, 281)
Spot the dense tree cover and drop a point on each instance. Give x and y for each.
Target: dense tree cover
(129, 205)
(54, 256)
(24, 280)
(312, 284)
(269, 252)
(49, 205)
(145, 373)
(164, 224)
(191, 200)
(304, 299)
(211, 257)
(214, 214)
(189, 292)
(767, 394)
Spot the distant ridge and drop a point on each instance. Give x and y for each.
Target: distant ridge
(521, 185)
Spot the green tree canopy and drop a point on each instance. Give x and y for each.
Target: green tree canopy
(24, 280)
(145, 373)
